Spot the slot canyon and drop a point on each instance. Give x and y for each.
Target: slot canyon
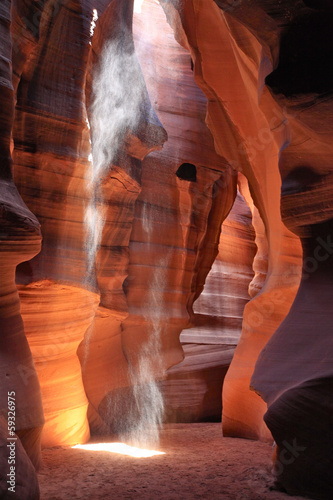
(166, 254)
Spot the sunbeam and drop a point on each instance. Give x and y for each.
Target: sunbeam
(120, 448)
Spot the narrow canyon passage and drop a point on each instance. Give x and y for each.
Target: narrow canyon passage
(166, 249)
(198, 464)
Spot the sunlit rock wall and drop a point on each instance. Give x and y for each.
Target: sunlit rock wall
(192, 391)
(55, 56)
(278, 130)
(174, 235)
(125, 129)
(51, 147)
(249, 132)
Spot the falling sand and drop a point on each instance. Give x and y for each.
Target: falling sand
(198, 464)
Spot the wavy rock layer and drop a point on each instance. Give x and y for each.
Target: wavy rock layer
(48, 307)
(20, 240)
(56, 179)
(286, 47)
(192, 390)
(51, 146)
(249, 133)
(173, 238)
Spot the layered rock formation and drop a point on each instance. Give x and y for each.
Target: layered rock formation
(292, 53)
(51, 147)
(249, 131)
(192, 390)
(300, 393)
(186, 192)
(20, 240)
(55, 177)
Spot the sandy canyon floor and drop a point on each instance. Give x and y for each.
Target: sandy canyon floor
(198, 464)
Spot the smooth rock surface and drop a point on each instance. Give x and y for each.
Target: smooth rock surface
(231, 60)
(192, 389)
(172, 236)
(20, 240)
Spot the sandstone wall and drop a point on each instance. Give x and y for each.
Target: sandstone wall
(20, 240)
(173, 238)
(192, 390)
(277, 130)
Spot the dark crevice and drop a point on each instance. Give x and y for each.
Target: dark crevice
(187, 172)
(305, 64)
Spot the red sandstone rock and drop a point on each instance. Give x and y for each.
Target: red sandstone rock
(228, 61)
(51, 138)
(55, 315)
(50, 161)
(300, 394)
(20, 240)
(301, 86)
(173, 238)
(192, 389)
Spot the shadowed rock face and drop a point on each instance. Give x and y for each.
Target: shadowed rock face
(301, 423)
(20, 482)
(20, 240)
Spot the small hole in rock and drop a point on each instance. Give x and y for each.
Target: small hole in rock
(187, 172)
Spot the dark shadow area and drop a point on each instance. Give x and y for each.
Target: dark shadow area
(305, 63)
(299, 180)
(319, 4)
(187, 172)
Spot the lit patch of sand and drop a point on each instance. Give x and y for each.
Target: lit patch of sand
(198, 464)
(120, 448)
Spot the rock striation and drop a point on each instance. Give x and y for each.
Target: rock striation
(185, 192)
(192, 389)
(55, 177)
(249, 132)
(284, 89)
(51, 147)
(20, 240)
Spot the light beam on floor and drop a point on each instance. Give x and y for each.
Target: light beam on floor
(121, 448)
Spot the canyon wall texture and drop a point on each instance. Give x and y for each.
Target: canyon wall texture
(130, 265)
(51, 147)
(286, 48)
(20, 240)
(249, 129)
(185, 192)
(192, 390)
(127, 138)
